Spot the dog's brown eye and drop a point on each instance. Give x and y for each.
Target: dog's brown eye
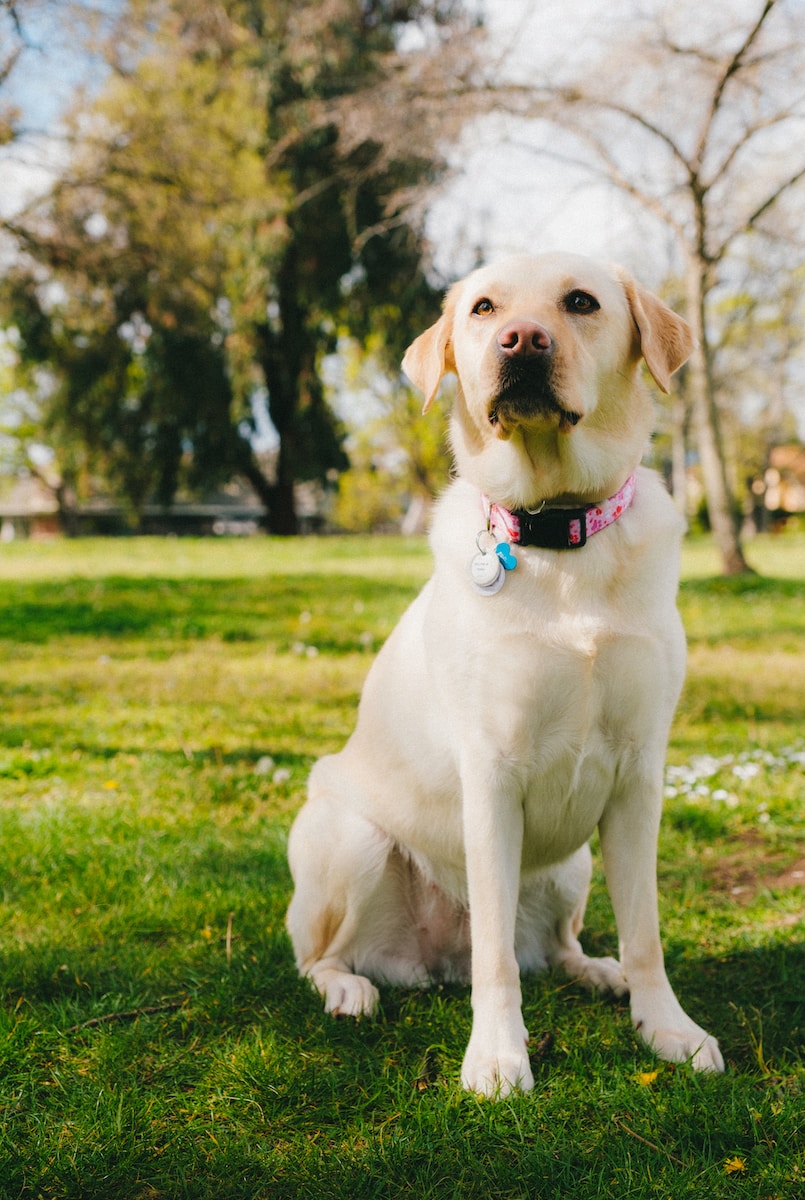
(483, 308)
(581, 302)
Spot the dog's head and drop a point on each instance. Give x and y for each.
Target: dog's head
(546, 350)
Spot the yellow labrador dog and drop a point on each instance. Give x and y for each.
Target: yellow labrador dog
(525, 697)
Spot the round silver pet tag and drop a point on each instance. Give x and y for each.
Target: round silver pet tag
(487, 573)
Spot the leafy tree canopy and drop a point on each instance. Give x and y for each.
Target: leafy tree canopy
(215, 233)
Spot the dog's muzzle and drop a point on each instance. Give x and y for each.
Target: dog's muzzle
(526, 355)
(525, 393)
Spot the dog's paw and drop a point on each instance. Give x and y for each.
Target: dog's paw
(682, 1041)
(600, 974)
(692, 1044)
(495, 1075)
(350, 996)
(708, 1057)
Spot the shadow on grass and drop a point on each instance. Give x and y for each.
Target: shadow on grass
(751, 1002)
(49, 762)
(250, 1090)
(232, 609)
(743, 608)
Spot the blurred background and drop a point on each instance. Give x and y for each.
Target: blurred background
(222, 221)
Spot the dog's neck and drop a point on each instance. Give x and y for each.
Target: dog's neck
(524, 474)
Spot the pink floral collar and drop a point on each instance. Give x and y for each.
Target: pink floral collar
(557, 528)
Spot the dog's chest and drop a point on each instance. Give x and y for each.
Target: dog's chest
(568, 716)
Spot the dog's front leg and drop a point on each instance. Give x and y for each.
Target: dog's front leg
(496, 1060)
(629, 832)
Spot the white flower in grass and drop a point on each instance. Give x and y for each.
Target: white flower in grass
(687, 780)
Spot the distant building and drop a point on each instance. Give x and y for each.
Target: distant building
(780, 490)
(30, 510)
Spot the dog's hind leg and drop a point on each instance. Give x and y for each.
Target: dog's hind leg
(337, 860)
(552, 913)
(352, 917)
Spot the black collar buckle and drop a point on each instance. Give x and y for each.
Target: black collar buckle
(551, 528)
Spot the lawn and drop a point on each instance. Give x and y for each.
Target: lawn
(162, 703)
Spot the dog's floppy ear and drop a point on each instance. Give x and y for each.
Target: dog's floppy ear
(430, 356)
(666, 340)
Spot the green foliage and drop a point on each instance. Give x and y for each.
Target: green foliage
(162, 704)
(213, 231)
(134, 238)
(398, 459)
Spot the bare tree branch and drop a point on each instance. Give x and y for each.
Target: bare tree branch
(631, 114)
(11, 7)
(730, 71)
(771, 200)
(751, 131)
(611, 171)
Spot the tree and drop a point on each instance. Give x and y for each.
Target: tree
(398, 462)
(697, 117)
(349, 254)
(127, 314)
(758, 330)
(9, 56)
(213, 209)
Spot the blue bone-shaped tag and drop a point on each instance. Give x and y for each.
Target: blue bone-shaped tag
(504, 553)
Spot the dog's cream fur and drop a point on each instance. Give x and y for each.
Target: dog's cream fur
(448, 839)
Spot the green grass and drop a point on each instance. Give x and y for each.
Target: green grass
(162, 702)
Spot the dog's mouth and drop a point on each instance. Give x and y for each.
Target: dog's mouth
(525, 397)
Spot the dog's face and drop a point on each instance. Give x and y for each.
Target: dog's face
(546, 350)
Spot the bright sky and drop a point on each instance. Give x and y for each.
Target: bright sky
(505, 199)
(509, 198)
(503, 203)
(43, 83)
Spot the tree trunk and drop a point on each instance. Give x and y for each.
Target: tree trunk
(724, 520)
(283, 519)
(679, 466)
(276, 495)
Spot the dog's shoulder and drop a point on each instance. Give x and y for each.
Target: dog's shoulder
(458, 518)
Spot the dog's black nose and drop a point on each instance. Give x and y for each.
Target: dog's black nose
(524, 339)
